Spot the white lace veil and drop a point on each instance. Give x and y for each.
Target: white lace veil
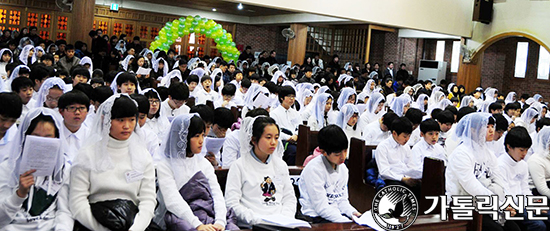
(375, 99)
(45, 89)
(319, 110)
(344, 95)
(126, 62)
(156, 66)
(98, 138)
(35, 55)
(398, 104)
(16, 147)
(24, 55)
(198, 72)
(465, 102)
(14, 74)
(471, 130)
(167, 79)
(510, 97)
(345, 115)
(9, 51)
(542, 143)
(419, 104)
(87, 60)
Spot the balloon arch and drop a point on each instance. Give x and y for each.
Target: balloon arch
(186, 25)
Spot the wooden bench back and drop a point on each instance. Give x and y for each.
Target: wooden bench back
(307, 142)
(360, 193)
(433, 183)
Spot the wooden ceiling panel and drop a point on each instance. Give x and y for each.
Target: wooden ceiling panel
(221, 6)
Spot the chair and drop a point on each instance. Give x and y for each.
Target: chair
(307, 142)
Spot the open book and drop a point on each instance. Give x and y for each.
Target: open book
(367, 220)
(280, 220)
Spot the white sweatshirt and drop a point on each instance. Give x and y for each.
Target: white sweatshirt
(422, 150)
(170, 185)
(90, 186)
(515, 175)
(324, 191)
(169, 112)
(539, 167)
(14, 217)
(373, 134)
(232, 149)
(255, 189)
(473, 173)
(288, 119)
(395, 161)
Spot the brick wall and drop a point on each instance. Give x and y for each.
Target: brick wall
(388, 47)
(499, 64)
(429, 54)
(262, 38)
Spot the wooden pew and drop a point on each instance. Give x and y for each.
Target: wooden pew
(360, 193)
(433, 183)
(235, 111)
(307, 142)
(210, 104)
(190, 102)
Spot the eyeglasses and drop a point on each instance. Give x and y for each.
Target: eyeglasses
(153, 101)
(73, 109)
(51, 99)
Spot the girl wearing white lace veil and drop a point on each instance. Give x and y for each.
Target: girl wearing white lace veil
(156, 121)
(304, 100)
(278, 78)
(49, 49)
(347, 120)
(322, 106)
(96, 179)
(259, 184)
(27, 54)
(368, 89)
(528, 119)
(538, 98)
(38, 53)
(167, 79)
(511, 97)
(401, 104)
(421, 103)
(216, 73)
(48, 195)
(125, 64)
(6, 57)
(87, 60)
(251, 95)
(178, 169)
(433, 98)
(14, 74)
(467, 101)
(121, 46)
(200, 72)
(50, 91)
(164, 67)
(374, 109)
(125, 82)
(539, 162)
(347, 95)
(472, 168)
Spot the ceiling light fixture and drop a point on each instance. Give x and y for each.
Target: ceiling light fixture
(240, 6)
(214, 9)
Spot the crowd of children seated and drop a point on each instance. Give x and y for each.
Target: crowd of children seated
(145, 146)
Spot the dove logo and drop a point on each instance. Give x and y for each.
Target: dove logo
(394, 208)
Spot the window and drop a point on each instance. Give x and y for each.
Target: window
(455, 56)
(544, 64)
(62, 23)
(521, 59)
(32, 19)
(45, 21)
(439, 50)
(15, 17)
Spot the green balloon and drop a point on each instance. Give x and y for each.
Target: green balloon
(186, 31)
(217, 40)
(224, 37)
(188, 24)
(169, 24)
(189, 18)
(182, 20)
(233, 44)
(203, 31)
(208, 32)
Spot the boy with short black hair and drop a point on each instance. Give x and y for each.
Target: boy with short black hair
(511, 111)
(515, 171)
(68, 61)
(80, 75)
(147, 135)
(394, 158)
(73, 107)
(23, 88)
(428, 146)
(239, 94)
(206, 93)
(97, 97)
(223, 119)
(207, 115)
(178, 94)
(10, 109)
(445, 120)
(126, 83)
(39, 73)
(495, 108)
(228, 93)
(288, 120)
(237, 78)
(192, 82)
(379, 130)
(415, 116)
(323, 182)
(501, 127)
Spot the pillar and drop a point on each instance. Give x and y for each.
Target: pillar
(82, 21)
(297, 45)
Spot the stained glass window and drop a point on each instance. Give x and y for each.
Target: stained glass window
(117, 29)
(45, 35)
(32, 19)
(3, 16)
(62, 22)
(61, 35)
(154, 32)
(45, 20)
(143, 32)
(15, 17)
(129, 30)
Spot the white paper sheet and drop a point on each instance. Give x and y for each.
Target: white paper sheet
(368, 220)
(213, 145)
(261, 101)
(280, 220)
(143, 71)
(39, 153)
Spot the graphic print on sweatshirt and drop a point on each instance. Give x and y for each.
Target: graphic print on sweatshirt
(268, 191)
(482, 170)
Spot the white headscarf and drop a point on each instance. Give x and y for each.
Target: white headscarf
(302, 98)
(527, 116)
(50, 46)
(242, 64)
(537, 97)
(23, 41)
(251, 94)
(398, 104)
(375, 99)
(98, 138)
(315, 70)
(123, 48)
(345, 115)
(16, 149)
(35, 55)
(541, 145)
(436, 96)
(191, 64)
(344, 95)
(167, 80)
(510, 98)
(272, 69)
(490, 95)
(276, 76)
(420, 102)
(9, 51)
(465, 102)
(471, 130)
(198, 72)
(163, 120)
(14, 74)
(45, 89)
(156, 66)
(24, 55)
(126, 62)
(87, 60)
(319, 110)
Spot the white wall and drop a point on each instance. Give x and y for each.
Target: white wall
(525, 16)
(453, 17)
